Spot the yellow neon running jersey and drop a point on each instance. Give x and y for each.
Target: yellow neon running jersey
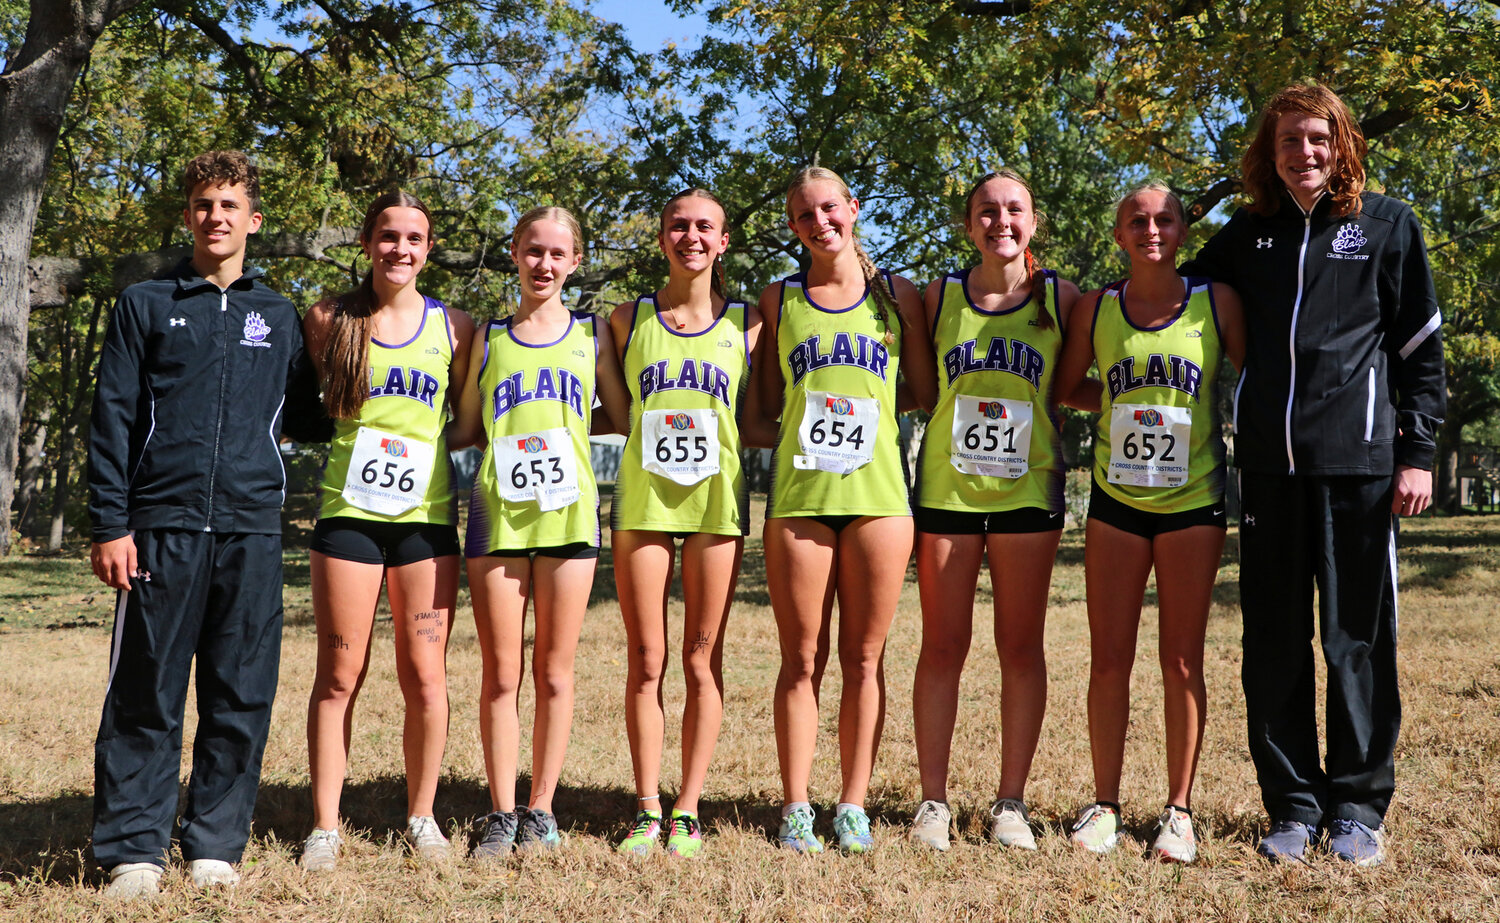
(992, 443)
(535, 485)
(1157, 445)
(680, 471)
(838, 452)
(391, 463)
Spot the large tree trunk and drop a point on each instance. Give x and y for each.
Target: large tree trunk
(34, 92)
(29, 499)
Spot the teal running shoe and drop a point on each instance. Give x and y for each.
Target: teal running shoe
(852, 825)
(797, 831)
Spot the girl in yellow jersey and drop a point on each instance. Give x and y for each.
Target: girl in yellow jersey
(390, 360)
(686, 353)
(989, 483)
(533, 530)
(1158, 499)
(837, 521)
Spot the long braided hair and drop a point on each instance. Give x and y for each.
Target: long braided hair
(875, 281)
(346, 356)
(1034, 268)
(696, 192)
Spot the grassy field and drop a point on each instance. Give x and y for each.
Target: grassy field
(1445, 824)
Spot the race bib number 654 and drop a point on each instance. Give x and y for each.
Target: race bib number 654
(837, 433)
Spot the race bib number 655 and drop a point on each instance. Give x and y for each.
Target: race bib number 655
(680, 445)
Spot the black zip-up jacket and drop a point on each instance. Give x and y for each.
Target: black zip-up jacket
(189, 405)
(1343, 354)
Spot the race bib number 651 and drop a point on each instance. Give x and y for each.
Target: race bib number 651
(1148, 444)
(991, 436)
(538, 468)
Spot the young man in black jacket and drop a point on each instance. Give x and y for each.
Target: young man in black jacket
(1336, 417)
(185, 492)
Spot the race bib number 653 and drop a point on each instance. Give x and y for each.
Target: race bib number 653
(538, 468)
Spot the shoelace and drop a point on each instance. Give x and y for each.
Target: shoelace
(497, 830)
(800, 825)
(536, 826)
(425, 832)
(685, 826)
(855, 822)
(1093, 813)
(643, 824)
(1011, 806)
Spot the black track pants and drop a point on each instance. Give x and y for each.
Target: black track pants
(216, 597)
(1336, 533)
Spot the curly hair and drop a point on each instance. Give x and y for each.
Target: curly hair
(1347, 140)
(222, 168)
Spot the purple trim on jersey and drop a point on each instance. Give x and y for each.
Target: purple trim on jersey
(635, 317)
(801, 279)
(447, 323)
(1187, 293)
(1213, 306)
(657, 309)
(511, 332)
(426, 305)
(744, 335)
(964, 280)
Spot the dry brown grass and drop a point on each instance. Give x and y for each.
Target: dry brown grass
(1445, 825)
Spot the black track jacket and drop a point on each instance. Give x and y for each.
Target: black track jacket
(189, 404)
(1343, 355)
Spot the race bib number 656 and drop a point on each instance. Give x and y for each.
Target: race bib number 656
(387, 474)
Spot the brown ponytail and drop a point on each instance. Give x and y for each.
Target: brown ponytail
(346, 357)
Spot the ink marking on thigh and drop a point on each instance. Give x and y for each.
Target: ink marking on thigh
(336, 642)
(641, 650)
(701, 642)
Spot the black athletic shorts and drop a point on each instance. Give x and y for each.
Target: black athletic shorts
(571, 551)
(1127, 518)
(1002, 522)
(390, 543)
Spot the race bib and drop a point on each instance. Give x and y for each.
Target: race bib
(991, 436)
(1149, 445)
(837, 433)
(538, 468)
(680, 445)
(387, 474)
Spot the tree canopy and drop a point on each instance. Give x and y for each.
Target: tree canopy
(487, 108)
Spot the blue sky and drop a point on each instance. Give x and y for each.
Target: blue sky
(650, 24)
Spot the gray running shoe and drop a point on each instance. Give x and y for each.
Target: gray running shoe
(538, 831)
(1287, 841)
(1353, 842)
(930, 825)
(498, 836)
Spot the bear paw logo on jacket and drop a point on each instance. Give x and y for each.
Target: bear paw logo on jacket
(256, 329)
(1349, 239)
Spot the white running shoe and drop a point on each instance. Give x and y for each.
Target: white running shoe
(1175, 841)
(1010, 824)
(213, 873)
(130, 881)
(930, 825)
(426, 837)
(320, 851)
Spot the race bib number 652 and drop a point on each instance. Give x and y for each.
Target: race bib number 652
(538, 468)
(1148, 444)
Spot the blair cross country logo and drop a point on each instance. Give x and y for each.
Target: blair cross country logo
(395, 448)
(994, 410)
(682, 421)
(531, 445)
(840, 406)
(256, 329)
(1346, 244)
(1148, 417)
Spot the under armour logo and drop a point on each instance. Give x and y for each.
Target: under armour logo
(1264, 243)
(177, 322)
(1247, 519)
